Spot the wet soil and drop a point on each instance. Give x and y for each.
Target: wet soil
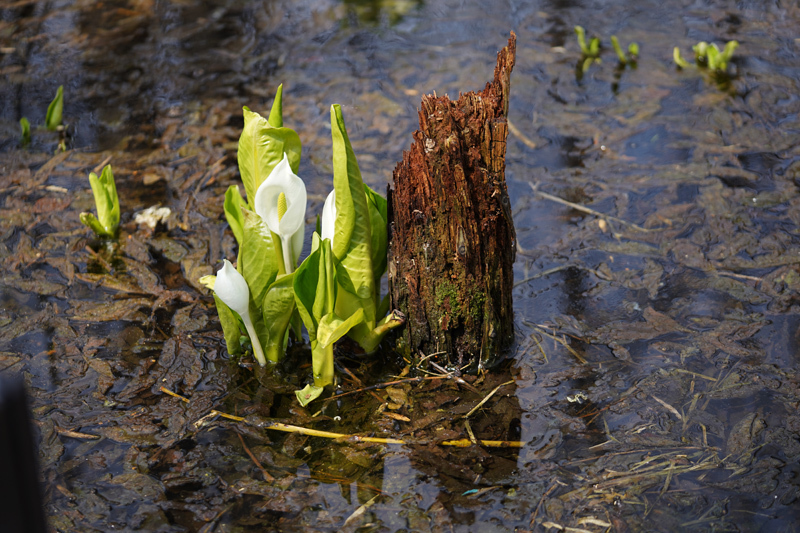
(655, 380)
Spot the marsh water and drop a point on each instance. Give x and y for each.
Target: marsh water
(654, 381)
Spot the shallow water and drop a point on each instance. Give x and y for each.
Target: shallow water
(655, 370)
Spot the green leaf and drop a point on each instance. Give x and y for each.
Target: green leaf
(332, 328)
(676, 56)
(378, 215)
(277, 309)
(581, 33)
(90, 221)
(315, 285)
(233, 212)
(618, 50)
(353, 236)
(230, 327)
(308, 394)
(322, 364)
(55, 110)
(25, 126)
(700, 51)
(276, 113)
(259, 258)
(727, 52)
(106, 202)
(261, 147)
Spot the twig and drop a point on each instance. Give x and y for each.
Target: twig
(384, 385)
(99, 167)
(585, 209)
(571, 350)
(460, 381)
(487, 398)
(267, 476)
(543, 274)
(522, 137)
(277, 426)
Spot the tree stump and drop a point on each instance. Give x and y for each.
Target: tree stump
(452, 239)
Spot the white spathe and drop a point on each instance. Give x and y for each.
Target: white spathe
(289, 226)
(231, 287)
(328, 220)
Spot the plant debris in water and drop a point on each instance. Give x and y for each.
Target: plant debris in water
(656, 383)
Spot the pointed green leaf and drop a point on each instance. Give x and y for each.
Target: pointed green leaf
(261, 147)
(230, 327)
(679, 61)
(727, 52)
(233, 212)
(276, 113)
(259, 258)
(55, 110)
(25, 126)
(618, 50)
(277, 310)
(353, 236)
(581, 33)
(308, 394)
(106, 200)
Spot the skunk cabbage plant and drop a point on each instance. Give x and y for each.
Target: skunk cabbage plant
(106, 201)
(335, 290)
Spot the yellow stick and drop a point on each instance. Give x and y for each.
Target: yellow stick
(278, 426)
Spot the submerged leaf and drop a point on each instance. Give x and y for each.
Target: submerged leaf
(308, 394)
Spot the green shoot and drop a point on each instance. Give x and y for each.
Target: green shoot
(708, 56)
(25, 125)
(55, 110)
(592, 50)
(632, 55)
(680, 61)
(106, 224)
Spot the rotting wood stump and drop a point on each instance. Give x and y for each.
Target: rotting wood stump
(452, 239)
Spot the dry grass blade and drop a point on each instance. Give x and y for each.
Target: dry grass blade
(472, 411)
(584, 209)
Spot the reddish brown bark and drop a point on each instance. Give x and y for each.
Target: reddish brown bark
(452, 238)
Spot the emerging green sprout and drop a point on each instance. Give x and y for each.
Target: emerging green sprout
(589, 52)
(55, 110)
(630, 57)
(25, 126)
(592, 49)
(106, 224)
(708, 56)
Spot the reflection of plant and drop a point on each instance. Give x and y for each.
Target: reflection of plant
(335, 289)
(106, 201)
(708, 56)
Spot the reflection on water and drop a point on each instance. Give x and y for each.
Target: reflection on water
(656, 366)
